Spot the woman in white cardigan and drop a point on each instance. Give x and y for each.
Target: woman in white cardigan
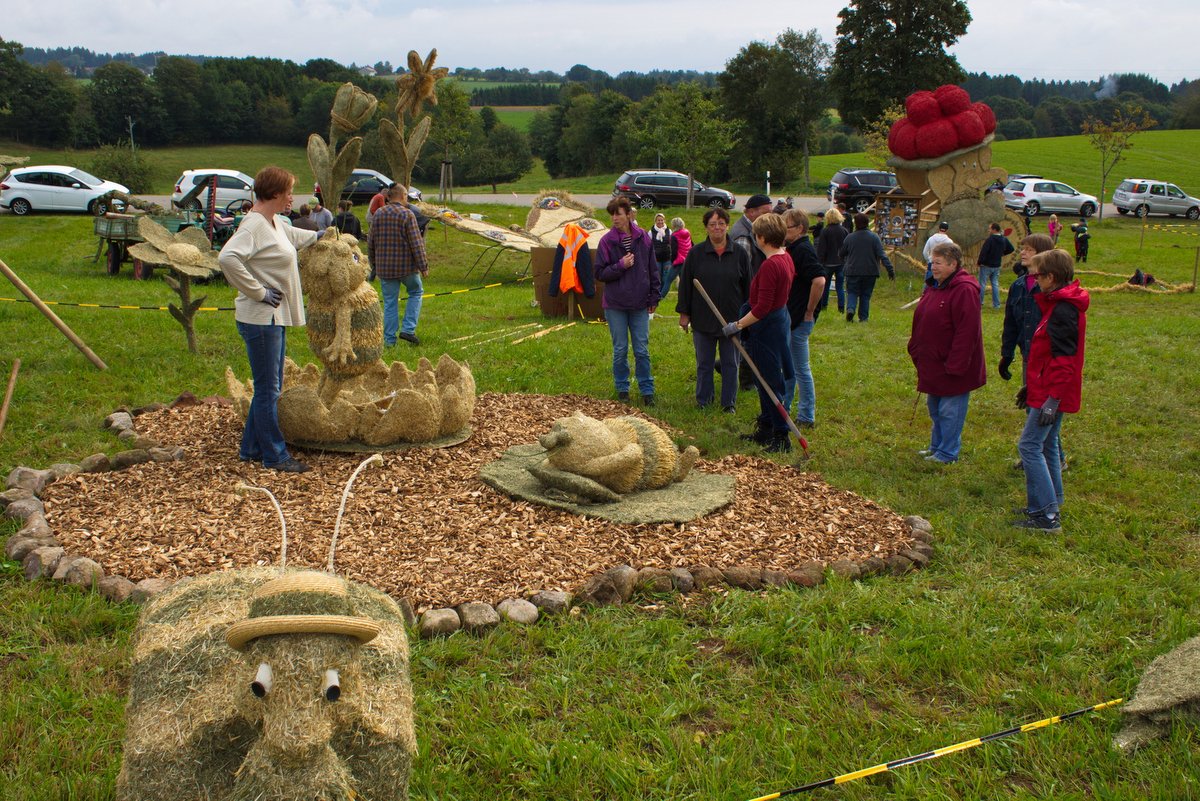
(260, 261)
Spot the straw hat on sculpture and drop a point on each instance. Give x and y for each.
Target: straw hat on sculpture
(269, 683)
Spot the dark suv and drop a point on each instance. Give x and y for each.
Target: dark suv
(650, 188)
(361, 186)
(858, 188)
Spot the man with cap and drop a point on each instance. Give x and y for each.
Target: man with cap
(941, 237)
(742, 232)
(742, 235)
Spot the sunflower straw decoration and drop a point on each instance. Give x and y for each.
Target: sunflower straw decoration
(189, 255)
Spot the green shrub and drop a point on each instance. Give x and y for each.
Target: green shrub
(122, 164)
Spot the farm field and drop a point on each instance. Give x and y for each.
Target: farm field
(713, 696)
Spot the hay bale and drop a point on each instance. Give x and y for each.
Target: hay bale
(195, 730)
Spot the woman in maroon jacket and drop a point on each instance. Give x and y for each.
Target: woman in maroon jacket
(946, 347)
(1053, 381)
(767, 328)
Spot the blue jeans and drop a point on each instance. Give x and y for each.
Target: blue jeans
(390, 289)
(859, 289)
(949, 414)
(1041, 460)
(261, 438)
(835, 272)
(624, 326)
(668, 273)
(706, 347)
(803, 375)
(989, 275)
(767, 345)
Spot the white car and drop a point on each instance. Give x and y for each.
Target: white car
(1033, 194)
(54, 187)
(233, 188)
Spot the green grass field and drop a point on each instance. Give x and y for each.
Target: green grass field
(518, 117)
(1155, 154)
(724, 696)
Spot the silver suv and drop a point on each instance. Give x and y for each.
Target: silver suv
(1145, 196)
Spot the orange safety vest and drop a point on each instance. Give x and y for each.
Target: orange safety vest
(573, 238)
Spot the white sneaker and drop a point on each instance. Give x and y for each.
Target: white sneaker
(924, 452)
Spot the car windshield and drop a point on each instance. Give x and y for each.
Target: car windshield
(85, 177)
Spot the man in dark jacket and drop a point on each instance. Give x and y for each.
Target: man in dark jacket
(994, 249)
(862, 253)
(946, 347)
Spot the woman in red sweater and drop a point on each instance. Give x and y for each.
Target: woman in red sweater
(765, 327)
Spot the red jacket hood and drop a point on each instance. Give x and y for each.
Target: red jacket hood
(1072, 293)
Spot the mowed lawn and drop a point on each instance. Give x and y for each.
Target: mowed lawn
(722, 695)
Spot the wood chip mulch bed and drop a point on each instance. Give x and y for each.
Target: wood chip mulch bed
(423, 526)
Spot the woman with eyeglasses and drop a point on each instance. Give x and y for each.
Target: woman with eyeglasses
(1053, 384)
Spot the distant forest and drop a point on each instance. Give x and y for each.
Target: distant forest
(178, 100)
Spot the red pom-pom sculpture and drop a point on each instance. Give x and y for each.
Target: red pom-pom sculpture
(940, 122)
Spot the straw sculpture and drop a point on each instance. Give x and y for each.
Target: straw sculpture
(605, 459)
(190, 256)
(263, 683)
(331, 166)
(356, 402)
(415, 88)
(1169, 691)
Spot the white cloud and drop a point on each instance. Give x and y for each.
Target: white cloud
(1053, 39)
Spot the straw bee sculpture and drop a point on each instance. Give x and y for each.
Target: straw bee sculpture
(268, 683)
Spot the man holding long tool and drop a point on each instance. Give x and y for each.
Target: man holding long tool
(768, 345)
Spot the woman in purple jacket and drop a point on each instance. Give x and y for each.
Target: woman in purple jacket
(625, 263)
(946, 347)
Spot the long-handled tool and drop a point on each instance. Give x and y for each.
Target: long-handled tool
(927, 755)
(737, 342)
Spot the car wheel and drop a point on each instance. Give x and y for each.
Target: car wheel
(1142, 210)
(646, 202)
(1087, 209)
(1193, 213)
(115, 255)
(862, 204)
(141, 270)
(717, 203)
(99, 207)
(20, 207)
(194, 205)
(1032, 208)
(1122, 212)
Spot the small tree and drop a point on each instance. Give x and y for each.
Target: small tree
(685, 125)
(1113, 138)
(875, 136)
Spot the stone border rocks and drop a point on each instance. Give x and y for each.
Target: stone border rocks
(42, 556)
(34, 545)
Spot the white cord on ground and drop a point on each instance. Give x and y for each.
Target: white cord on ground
(374, 458)
(243, 488)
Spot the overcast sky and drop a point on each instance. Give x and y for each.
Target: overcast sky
(1051, 39)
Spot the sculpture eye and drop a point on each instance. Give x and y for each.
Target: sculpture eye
(331, 688)
(262, 681)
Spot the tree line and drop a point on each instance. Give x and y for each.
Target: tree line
(773, 106)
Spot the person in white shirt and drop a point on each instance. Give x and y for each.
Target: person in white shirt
(260, 261)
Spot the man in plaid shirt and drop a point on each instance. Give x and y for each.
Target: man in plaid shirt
(397, 253)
